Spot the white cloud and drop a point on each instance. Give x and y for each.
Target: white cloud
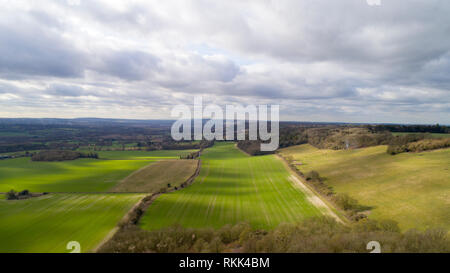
(320, 60)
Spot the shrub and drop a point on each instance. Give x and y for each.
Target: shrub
(345, 202)
(11, 195)
(252, 147)
(313, 176)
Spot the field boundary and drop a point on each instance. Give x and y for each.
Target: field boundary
(131, 217)
(191, 179)
(133, 173)
(331, 210)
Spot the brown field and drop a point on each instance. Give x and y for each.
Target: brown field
(158, 175)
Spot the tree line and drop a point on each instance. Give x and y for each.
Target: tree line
(61, 155)
(321, 234)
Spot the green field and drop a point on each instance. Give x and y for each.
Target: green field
(411, 188)
(48, 223)
(81, 175)
(233, 187)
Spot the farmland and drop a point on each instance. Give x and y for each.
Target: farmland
(233, 187)
(81, 175)
(410, 188)
(48, 223)
(158, 175)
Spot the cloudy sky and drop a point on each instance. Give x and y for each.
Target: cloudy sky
(319, 60)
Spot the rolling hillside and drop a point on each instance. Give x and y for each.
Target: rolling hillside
(410, 188)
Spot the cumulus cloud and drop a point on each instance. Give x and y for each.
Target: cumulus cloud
(320, 60)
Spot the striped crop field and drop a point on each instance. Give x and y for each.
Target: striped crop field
(233, 187)
(48, 223)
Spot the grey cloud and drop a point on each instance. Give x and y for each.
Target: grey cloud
(65, 90)
(26, 48)
(320, 59)
(128, 65)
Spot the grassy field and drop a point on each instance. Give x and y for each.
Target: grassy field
(81, 175)
(233, 187)
(434, 135)
(48, 223)
(411, 188)
(158, 175)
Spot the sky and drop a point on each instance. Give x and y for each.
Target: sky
(329, 61)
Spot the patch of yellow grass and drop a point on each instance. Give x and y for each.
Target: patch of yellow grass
(411, 188)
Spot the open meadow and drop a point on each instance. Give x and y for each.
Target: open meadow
(81, 175)
(49, 222)
(233, 187)
(410, 188)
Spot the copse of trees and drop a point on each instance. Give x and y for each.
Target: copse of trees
(311, 235)
(336, 137)
(61, 155)
(252, 147)
(419, 146)
(25, 194)
(429, 144)
(292, 135)
(410, 128)
(345, 138)
(416, 143)
(11, 195)
(339, 137)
